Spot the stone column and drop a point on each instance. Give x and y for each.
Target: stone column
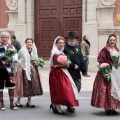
(20, 30)
(30, 18)
(21, 12)
(91, 11)
(90, 29)
(12, 13)
(12, 19)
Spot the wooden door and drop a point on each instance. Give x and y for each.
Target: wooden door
(46, 25)
(53, 18)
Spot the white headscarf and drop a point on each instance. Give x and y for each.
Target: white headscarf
(54, 50)
(24, 59)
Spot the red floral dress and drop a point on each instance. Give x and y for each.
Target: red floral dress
(101, 94)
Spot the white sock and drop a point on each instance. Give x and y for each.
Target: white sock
(18, 101)
(59, 108)
(29, 100)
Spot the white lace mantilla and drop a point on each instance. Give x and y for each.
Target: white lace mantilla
(24, 59)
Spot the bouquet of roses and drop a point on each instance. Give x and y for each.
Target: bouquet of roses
(9, 53)
(62, 60)
(105, 68)
(39, 61)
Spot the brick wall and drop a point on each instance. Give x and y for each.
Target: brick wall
(116, 12)
(3, 14)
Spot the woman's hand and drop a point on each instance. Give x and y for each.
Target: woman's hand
(76, 67)
(84, 57)
(10, 58)
(12, 80)
(61, 66)
(36, 64)
(68, 65)
(65, 66)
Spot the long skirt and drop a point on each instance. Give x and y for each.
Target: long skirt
(60, 88)
(101, 94)
(26, 88)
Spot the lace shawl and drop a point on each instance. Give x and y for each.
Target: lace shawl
(24, 59)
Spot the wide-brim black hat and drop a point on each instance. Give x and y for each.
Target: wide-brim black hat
(71, 35)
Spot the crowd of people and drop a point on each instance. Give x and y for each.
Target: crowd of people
(68, 60)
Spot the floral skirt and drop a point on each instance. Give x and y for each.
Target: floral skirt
(26, 88)
(101, 94)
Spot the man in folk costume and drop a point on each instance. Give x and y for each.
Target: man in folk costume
(6, 71)
(73, 52)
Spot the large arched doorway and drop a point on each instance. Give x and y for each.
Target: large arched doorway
(53, 18)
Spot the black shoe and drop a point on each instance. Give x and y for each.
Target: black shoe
(53, 109)
(70, 109)
(31, 106)
(108, 112)
(19, 105)
(73, 108)
(113, 112)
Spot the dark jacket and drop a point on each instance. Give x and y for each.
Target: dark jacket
(76, 57)
(4, 73)
(17, 45)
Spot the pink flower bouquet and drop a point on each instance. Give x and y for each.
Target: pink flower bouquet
(62, 59)
(103, 65)
(105, 68)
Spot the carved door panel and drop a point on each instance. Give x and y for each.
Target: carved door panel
(71, 15)
(46, 25)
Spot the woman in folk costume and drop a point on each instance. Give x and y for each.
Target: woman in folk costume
(27, 78)
(62, 87)
(106, 94)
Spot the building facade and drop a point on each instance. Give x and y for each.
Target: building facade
(43, 20)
